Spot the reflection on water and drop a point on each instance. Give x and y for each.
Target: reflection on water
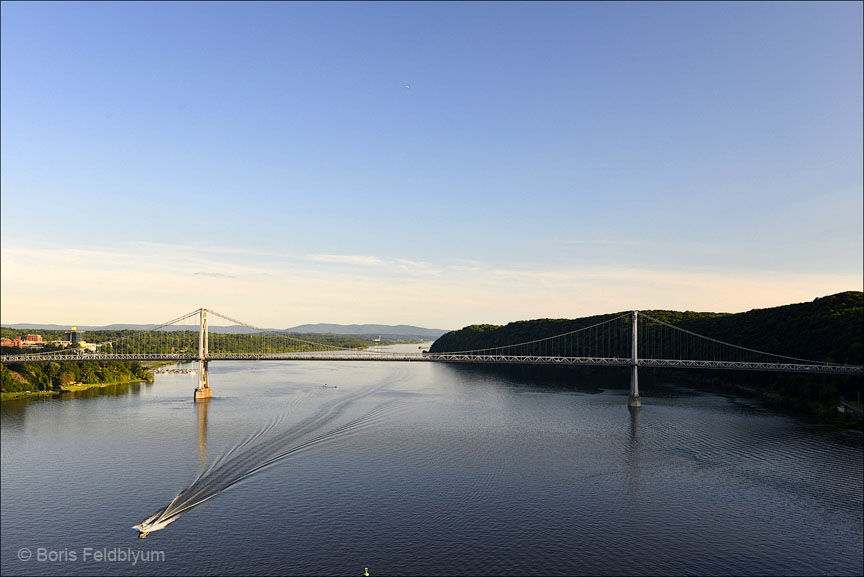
(481, 471)
(117, 390)
(201, 409)
(13, 414)
(14, 411)
(632, 453)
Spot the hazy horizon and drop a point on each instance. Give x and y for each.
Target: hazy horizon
(222, 325)
(86, 326)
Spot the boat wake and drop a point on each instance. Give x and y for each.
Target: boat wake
(263, 448)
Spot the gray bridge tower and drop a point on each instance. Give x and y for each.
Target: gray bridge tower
(633, 399)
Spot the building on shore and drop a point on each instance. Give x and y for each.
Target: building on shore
(27, 341)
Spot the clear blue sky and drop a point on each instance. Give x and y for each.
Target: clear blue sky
(436, 164)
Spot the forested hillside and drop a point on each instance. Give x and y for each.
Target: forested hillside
(827, 329)
(51, 376)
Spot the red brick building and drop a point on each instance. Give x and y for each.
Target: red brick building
(27, 341)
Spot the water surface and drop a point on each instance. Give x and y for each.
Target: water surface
(468, 471)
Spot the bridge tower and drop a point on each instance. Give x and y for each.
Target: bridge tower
(633, 399)
(203, 391)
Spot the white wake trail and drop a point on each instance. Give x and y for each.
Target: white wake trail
(263, 448)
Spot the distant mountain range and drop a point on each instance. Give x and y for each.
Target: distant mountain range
(384, 331)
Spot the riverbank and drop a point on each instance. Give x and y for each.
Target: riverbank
(65, 389)
(23, 380)
(26, 394)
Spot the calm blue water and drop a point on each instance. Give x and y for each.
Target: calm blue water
(465, 471)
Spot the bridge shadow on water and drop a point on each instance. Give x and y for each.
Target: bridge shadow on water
(657, 383)
(586, 380)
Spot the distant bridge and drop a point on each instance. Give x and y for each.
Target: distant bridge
(57, 357)
(631, 339)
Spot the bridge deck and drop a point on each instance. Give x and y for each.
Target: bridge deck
(326, 356)
(447, 357)
(666, 363)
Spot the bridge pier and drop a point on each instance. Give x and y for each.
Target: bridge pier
(203, 391)
(633, 399)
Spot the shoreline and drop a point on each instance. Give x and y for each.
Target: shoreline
(17, 395)
(69, 389)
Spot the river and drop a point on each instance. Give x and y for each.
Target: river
(448, 470)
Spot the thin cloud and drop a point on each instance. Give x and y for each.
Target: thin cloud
(381, 264)
(214, 274)
(194, 248)
(346, 259)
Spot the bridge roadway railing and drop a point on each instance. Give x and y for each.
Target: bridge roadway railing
(668, 363)
(317, 356)
(753, 366)
(443, 357)
(179, 357)
(528, 359)
(49, 358)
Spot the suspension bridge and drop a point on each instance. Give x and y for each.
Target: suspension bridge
(631, 339)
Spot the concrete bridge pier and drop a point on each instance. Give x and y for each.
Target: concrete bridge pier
(633, 399)
(203, 391)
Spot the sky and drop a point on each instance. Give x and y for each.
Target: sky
(432, 164)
